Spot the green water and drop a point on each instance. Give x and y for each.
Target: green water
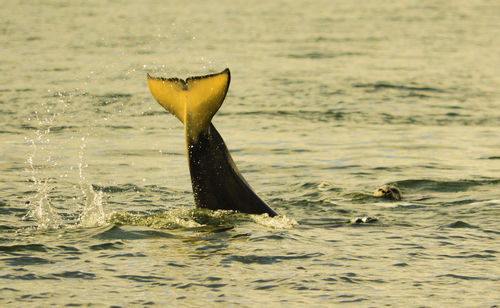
(328, 101)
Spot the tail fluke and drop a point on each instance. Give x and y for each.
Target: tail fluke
(217, 183)
(171, 94)
(193, 101)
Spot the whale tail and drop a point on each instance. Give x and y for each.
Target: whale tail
(193, 101)
(217, 182)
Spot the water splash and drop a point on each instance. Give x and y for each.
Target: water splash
(197, 218)
(93, 212)
(276, 222)
(174, 219)
(40, 206)
(55, 193)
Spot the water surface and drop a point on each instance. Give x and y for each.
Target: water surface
(328, 101)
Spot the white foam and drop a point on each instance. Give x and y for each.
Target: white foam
(276, 222)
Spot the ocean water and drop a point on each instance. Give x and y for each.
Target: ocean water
(328, 101)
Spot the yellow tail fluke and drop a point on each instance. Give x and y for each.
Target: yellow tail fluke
(194, 101)
(171, 94)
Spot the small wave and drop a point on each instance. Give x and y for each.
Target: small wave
(151, 113)
(18, 248)
(323, 222)
(123, 188)
(118, 127)
(324, 55)
(493, 157)
(139, 278)
(403, 264)
(29, 276)
(383, 85)
(356, 300)
(463, 277)
(117, 189)
(69, 250)
(114, 95)
(470, 256)
(339, 117)
(460, 224)
(443, 186)
(251, 259)
(25, 90)
(25, 260)
(117, 232)
(107, 246)
(359, 196)
(74, 274)
(64, 128)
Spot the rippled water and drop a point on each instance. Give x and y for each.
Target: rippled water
(328, 101)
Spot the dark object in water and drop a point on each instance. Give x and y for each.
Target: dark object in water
(363, 220)
(390, 192)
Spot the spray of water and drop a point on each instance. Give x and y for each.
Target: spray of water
(54, 193)
(40, 207)
(93, 212)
